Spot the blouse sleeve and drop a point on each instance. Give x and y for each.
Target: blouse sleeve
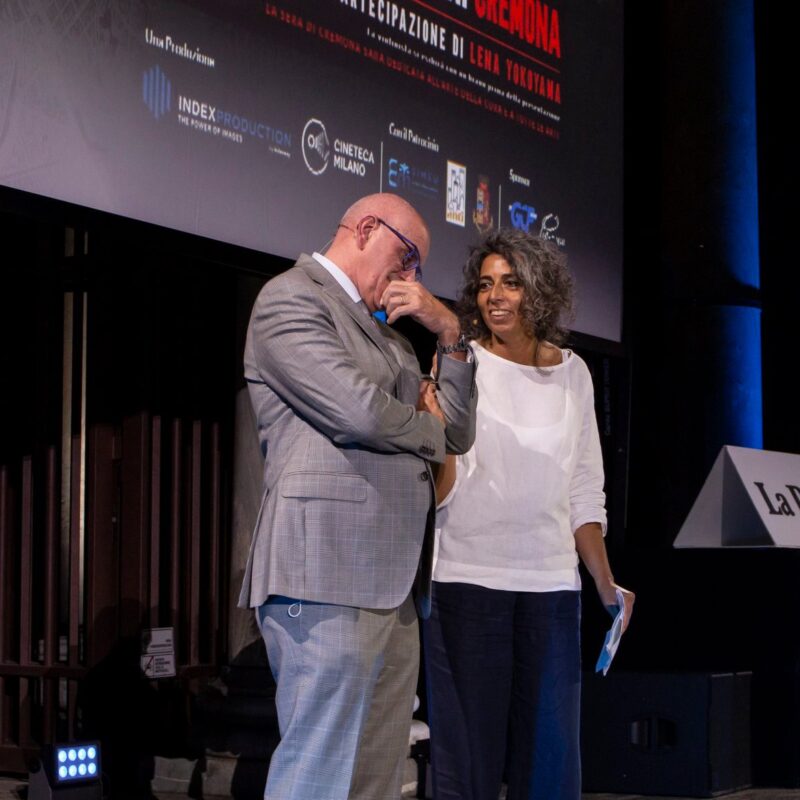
(586, 495)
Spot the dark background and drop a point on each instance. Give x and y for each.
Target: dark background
(707, 610)
(696, 610)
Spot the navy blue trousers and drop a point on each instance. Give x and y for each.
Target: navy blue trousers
(504, 675)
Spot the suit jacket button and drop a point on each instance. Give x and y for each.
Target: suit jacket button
(423, 476)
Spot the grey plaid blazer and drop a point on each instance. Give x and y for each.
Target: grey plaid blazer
(348, 493)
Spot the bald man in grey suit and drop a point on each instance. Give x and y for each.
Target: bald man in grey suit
(349, 429)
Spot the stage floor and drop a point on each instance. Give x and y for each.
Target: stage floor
(15, 789)
(746, 794)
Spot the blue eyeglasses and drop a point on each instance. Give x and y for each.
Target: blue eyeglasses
(411, 258)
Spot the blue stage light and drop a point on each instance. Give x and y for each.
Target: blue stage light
(70, 770)
(81, 762)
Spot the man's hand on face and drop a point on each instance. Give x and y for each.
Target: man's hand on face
(411, 299)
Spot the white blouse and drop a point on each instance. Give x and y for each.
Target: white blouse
(533, 477)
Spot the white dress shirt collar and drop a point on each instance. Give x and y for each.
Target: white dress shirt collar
(339, 276)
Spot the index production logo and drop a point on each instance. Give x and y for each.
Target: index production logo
(204, 116)
(316, 147)
(156, 91)
(456, 209)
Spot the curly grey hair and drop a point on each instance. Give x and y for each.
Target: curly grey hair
(541, 268)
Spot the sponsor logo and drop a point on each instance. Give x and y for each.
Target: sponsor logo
(515, 178)
(351, 157)
(156, 91)
(405, 176)
(456, 208)
(482, 215)
(522, 216)
(316, 147)
(347, 156)
(209, 118)
(548, 230)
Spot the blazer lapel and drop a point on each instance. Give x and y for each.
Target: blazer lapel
(369, 325)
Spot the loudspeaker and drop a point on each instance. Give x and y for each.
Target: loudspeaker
(685, 734)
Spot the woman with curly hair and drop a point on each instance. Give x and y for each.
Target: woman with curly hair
(502, 645)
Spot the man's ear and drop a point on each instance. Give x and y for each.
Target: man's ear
(365, 228)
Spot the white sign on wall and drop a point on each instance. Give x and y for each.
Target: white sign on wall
(751, 498)
(158, 652)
